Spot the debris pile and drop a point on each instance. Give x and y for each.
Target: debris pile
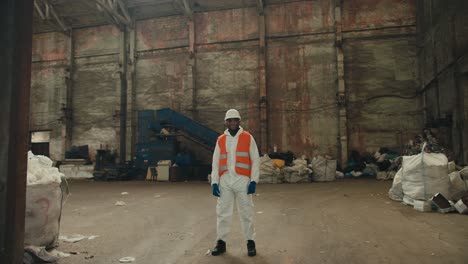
(43, 191)
(286, 168)
(429, 182)
(40, 170)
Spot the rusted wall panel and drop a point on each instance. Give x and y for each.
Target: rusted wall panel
(96, 40)
(445, 32)
(301, 93)
(48, 93)
(375, 72)
(49, 46)
(460, 21)
(427, 60)
(443, 44)
(447, 93)
(96, 104)
(299, 18)
(228, 79)
(226, 25)
(162, 33)
(163, 82)
(361, 14)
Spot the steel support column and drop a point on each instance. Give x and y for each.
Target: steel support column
(341, 93)
(15, 81)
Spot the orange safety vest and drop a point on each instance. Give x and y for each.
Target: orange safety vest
(243, 161)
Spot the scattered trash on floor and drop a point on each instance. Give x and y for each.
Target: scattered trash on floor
(120, 203)
(124, 193)
(33, 255)
(422, 206)
(259, 212)
(157, 196)
(207, 252)
(59, 254)
(72, 238)
(92, 237)
(127, 260)
(442, 204)
(89, 257)
(462, 205)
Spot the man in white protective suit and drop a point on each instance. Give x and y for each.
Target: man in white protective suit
(236, 169)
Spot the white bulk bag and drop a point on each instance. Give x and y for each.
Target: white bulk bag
(424, 175)
(396, 192)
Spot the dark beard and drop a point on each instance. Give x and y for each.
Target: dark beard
(233, 132)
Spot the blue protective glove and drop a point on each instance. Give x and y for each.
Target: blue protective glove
(252, 186)
(216, 191)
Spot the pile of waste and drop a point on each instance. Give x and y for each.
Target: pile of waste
(385, 162)
(286, 168)
(429, 182)
(43, 191)
(40, 170)
(432, 145)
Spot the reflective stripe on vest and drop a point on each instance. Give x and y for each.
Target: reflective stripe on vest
(243, 161)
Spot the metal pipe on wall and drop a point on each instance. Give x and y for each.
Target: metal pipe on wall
(123, 94)
(68, 109)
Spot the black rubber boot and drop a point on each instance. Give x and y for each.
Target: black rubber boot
(251, 248)
(219, 249)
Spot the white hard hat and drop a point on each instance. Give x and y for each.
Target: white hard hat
(232, 113)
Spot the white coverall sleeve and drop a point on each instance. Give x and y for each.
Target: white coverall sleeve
(255, 157)
(215, 166)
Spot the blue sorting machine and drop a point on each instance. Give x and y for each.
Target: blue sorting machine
(153, 145)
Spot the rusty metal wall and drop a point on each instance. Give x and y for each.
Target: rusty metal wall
(48, 93)
(96, 90)
(443, 59)
(384, 108)
(226, 73)
(161, 82)
(301, 78)
(161, 33)
(371, 14)
(226, 25)
(299, 18)
(223, 72)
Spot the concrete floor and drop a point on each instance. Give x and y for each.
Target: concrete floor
(349, 221)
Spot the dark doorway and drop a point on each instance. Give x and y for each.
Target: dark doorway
(40, 143)
(40, 148)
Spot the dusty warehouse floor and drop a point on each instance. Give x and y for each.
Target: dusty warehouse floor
(349, 221)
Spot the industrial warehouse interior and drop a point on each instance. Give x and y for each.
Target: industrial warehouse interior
(339, 128)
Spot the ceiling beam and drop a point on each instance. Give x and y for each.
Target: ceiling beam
(39, 11)
(187, 9)
(44, 9)
(260, 7)
(124, 11)
(111, 8)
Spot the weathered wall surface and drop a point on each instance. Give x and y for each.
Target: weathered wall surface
(96, 88)
(48, 89)
(384, 108)
(299, 18)
(302, 90)
(301, 78)
(226, 74)
(443, 59)
(223, 72)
